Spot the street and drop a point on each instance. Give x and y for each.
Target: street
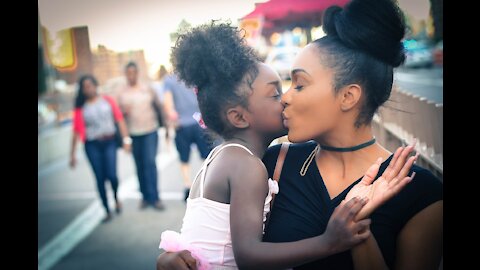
(70, 232)
(424, 82)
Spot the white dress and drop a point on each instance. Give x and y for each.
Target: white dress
(206, 224)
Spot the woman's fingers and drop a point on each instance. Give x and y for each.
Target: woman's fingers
(406, 168)
(371, 172)
(397, 184)
(389, 168)
(400, 162)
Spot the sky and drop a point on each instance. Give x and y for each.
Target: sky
(123, 25)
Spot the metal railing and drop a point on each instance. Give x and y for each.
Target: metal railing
(405, 117)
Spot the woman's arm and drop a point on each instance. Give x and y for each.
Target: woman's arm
(420, 242)
(73, 159)
(172, 114)
(367, 256)
(248, 189)
(126, 140)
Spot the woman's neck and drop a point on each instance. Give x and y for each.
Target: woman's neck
(92, 99)
(349, 138)
(133, 86)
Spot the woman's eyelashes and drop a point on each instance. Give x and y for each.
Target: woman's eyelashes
(298, 87)
(297, 82)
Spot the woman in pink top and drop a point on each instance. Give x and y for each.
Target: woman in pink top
(94, 121)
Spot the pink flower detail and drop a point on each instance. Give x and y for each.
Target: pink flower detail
(273, 186)
(173, 242)
(198, 117)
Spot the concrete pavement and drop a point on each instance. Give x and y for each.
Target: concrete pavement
(70, 234)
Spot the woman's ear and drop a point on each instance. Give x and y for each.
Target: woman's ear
(236, 117)
(350, 96)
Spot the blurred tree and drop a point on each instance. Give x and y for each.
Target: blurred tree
(182, 27)
(436, 10)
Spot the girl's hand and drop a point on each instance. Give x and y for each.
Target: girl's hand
(342, 232)
(181, 260)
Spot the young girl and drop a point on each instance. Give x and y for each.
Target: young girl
(239, 98)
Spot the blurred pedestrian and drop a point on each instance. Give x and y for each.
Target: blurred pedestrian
(94, 121)
(137, 101)
(181, 107)
(158, 86)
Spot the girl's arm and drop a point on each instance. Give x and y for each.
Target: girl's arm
(248, 189)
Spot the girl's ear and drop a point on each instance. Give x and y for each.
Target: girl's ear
(236, 117)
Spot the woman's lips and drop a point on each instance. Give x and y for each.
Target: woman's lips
(285, 120)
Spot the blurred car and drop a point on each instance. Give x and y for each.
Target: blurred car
(438, 54)
(281, 60)
(419, 53)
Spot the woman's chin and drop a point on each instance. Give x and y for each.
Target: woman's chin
(295, 138)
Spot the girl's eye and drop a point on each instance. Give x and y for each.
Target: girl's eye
(276, 94)
(298, 87)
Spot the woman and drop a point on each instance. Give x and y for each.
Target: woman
(231, 194)
(338, 83)
(94, 121)
(136, 100)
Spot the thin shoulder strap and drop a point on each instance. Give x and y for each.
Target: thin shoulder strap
(280, 160)
(277, 172)
(203, 171)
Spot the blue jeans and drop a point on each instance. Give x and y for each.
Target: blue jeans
(144, 150)
(103, 159)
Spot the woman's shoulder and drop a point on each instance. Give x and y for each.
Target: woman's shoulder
(296, 151)
(424, 190)
(108, 98)
(425, 179)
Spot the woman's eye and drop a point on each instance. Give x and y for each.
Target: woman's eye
(298, 87)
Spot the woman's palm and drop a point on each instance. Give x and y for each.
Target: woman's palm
(393, 179)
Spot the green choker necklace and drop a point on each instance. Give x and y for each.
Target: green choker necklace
(348, 149)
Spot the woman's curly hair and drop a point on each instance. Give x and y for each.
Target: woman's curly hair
(216, 60)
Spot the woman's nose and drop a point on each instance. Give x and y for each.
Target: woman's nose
(285, 100)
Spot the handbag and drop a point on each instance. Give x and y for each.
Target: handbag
(277, 172)
(118, 136)
(159, 113)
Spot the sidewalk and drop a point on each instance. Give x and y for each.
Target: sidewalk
(70, 234)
